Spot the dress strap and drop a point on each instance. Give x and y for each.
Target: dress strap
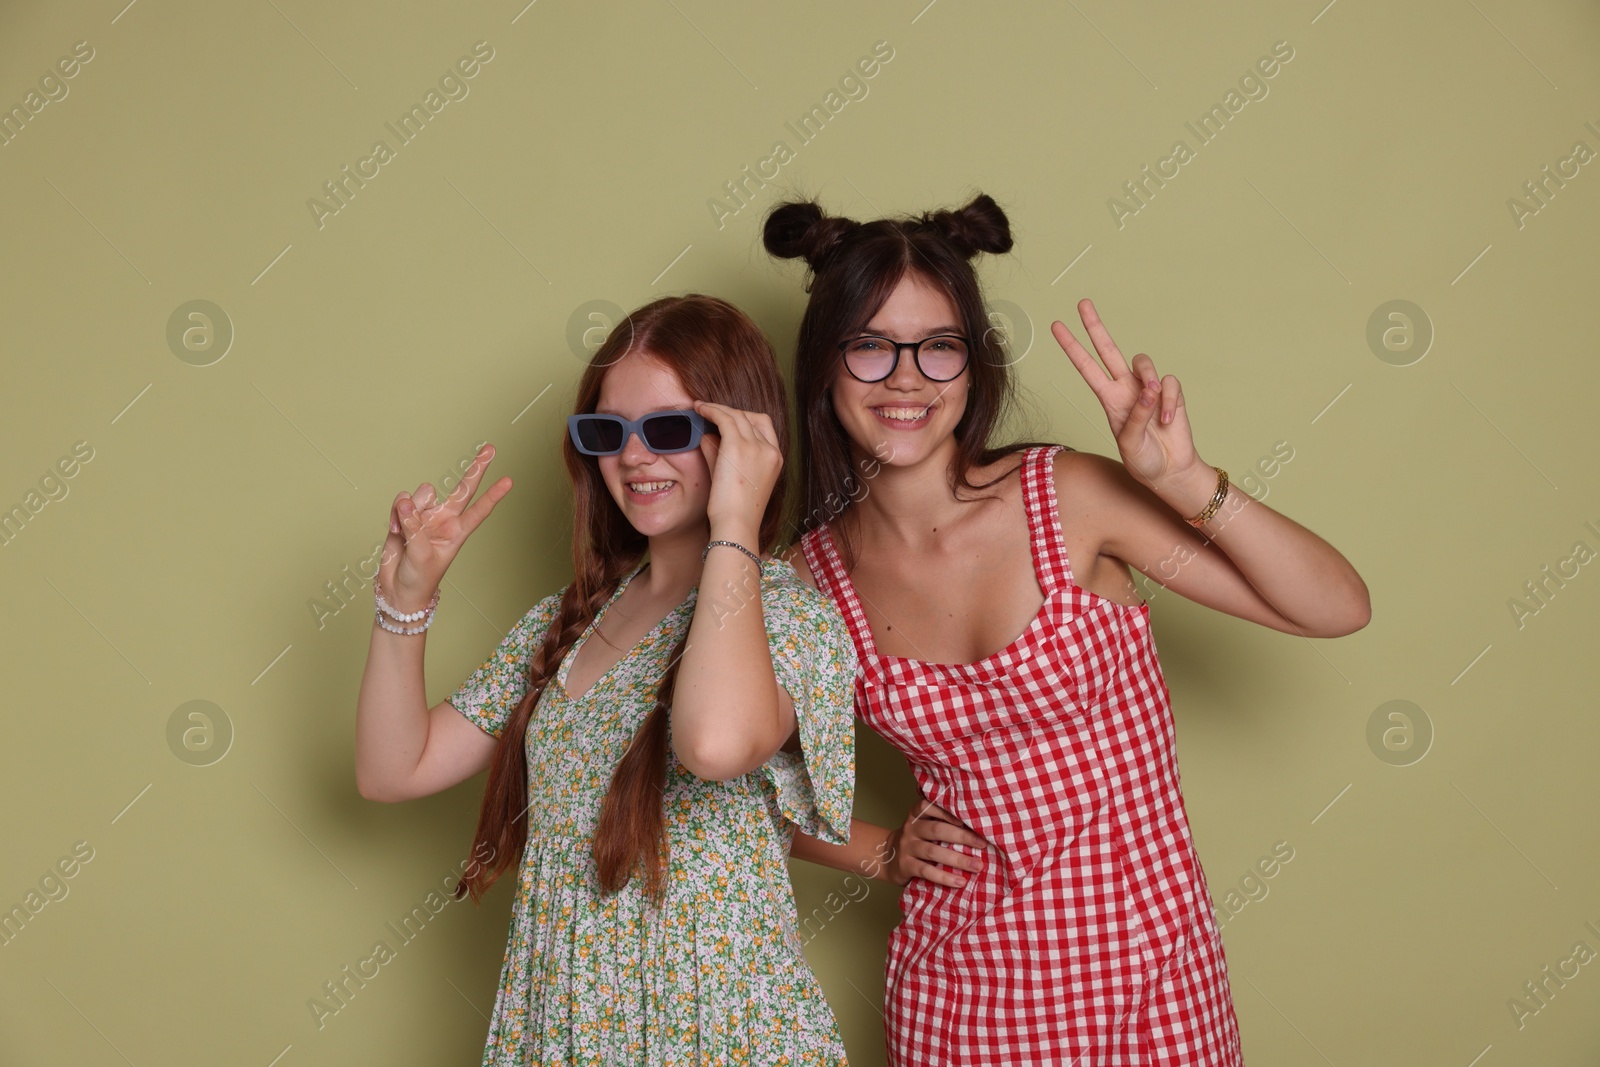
(1044, 518)
(828, 569)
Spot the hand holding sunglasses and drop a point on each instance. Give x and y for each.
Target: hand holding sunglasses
(745, 461)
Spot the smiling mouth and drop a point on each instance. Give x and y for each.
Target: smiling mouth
(650, 488)
(902, 414)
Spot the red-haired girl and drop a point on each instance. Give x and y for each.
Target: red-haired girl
(654, 733)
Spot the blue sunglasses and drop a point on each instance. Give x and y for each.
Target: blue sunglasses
(662, 432)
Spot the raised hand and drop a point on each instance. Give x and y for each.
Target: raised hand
(744, 460)
(425, 533)
(1153, 448)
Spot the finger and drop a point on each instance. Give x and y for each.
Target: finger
(410, 516)
(394, 543)
(1138, 419)
(462, 494)
(1146, 377)
(425, 497)
(1101, 338)
(1144, 369)
(482, 507)
(718, 414)
(1086, 364)
(761, 423)
(1171, 398)
(735, 423)
(955, 833)
(931, 829)
(948, 857)
(932, 872)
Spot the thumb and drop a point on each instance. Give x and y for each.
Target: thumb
(394, 546)
(1139, 416)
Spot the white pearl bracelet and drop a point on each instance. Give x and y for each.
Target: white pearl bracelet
(384, 608)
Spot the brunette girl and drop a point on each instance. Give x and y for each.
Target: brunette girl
(1055, 909)
(654, 733)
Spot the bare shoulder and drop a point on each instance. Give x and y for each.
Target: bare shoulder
(999, 472)
(1094, 495)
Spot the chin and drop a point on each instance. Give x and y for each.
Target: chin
(903, 448)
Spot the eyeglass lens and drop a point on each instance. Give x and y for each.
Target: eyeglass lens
(939, 358)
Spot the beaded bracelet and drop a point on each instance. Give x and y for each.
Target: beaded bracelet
(731, 544)
(1216, 499)
(384, 608)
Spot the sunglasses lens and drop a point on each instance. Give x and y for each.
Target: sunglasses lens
(600, 435)
(668, 433)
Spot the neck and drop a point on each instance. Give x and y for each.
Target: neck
(675, 562)
(906, 504)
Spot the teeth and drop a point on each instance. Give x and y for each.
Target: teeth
(648, 487)
(902, 414)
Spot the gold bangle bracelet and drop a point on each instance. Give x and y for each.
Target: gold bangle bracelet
(1216, 499)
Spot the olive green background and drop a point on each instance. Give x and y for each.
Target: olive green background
(436, 310)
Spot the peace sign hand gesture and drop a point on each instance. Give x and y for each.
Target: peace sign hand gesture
(425, 533)
(1153, 449)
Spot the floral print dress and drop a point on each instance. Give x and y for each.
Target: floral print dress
(715, 974)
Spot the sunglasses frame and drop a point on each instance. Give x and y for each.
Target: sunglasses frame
(699, 425)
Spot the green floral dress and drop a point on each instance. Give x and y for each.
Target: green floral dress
(715, 975)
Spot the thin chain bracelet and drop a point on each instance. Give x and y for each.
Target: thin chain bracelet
(1216, 500)
(731, 544)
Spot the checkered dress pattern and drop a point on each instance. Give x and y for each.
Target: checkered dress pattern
(1089, 939)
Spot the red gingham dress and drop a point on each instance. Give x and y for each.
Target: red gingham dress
(1089, 940)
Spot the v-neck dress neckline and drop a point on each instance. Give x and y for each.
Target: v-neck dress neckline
(594, 624)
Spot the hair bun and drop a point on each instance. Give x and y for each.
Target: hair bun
(980, 226)
(802, 230)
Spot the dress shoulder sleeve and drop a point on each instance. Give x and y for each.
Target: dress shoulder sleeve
(492, 692)
(815, 662)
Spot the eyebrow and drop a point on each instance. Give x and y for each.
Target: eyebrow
(936, 331)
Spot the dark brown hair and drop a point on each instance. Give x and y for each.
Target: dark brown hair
(720, 356)
(854, 266)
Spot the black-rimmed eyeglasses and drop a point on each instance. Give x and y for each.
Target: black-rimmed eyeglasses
(940, 358)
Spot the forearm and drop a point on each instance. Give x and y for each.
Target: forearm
(1303, 577)
(391, 712)
(726, 711)
(868, 853)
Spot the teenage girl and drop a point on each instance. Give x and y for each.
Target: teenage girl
(1055, 909)
(654, 732)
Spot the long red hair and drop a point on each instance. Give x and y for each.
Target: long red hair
(720, 356)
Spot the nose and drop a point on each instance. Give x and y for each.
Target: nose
(906, 375)
(633, 451)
